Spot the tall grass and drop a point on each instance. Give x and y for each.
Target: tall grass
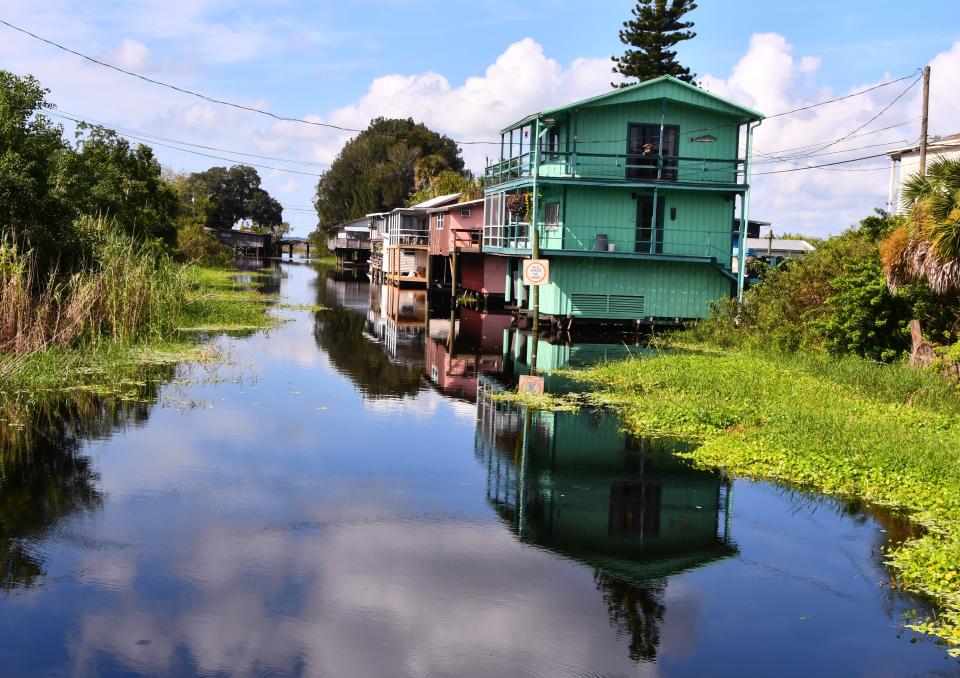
(125, 291)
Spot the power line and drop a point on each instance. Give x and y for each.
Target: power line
(205, 155)
(126, 130)
(222, 102)
(853, 136)
(284, 118)
(789, 112)
(827, 164)
(881, 112)
(774, 159)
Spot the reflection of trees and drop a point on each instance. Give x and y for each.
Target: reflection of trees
(637, 610)
(45, 477)
(339, 332)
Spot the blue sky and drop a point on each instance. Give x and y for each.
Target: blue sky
(466, 69)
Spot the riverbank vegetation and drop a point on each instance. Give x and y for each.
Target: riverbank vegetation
(102, 254)
(815, 379)
(884, 434)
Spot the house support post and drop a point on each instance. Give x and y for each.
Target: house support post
(535, 244)
(453, 275)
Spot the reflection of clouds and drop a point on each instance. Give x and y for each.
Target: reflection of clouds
(425, 405)
(367, 599)
(113, 573)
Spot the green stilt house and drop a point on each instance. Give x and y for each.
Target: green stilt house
(634, 197)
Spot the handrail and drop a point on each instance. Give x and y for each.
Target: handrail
(619, 167)
(619, 240)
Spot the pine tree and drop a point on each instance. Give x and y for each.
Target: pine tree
(657, 26)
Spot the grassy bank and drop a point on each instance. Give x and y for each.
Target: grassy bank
(847, 427)
(203, 300)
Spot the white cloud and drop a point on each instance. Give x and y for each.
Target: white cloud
(131, 54)
(189, 41)
(771, 79)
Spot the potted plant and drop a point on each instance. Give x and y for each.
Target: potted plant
(517, 205)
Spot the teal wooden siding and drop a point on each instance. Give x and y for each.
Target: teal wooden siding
(604, 130)
(696, 224)
(627, 289)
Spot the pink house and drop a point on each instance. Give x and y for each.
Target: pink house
(459, 228)
(472, 346)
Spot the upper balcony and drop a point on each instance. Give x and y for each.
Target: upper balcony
(618, 169)
(408, 227)
(616, 241)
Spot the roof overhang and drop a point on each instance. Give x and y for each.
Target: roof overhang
(655, 88)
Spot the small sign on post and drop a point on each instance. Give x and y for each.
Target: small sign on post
(530, 385)
(536, 271)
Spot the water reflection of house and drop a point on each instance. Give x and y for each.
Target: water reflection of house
(402, 323)
(553, 353)
(353, 341)
(573, 483)
(461, 347)
(346, 291)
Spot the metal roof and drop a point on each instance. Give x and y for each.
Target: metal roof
(438, 201)
(779, 244)
(947, 143)
(750, 113)
(447, 208)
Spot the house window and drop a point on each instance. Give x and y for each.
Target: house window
(440, 221)
(644, 150)
(464, 212)
(550, 145)
(551, 217)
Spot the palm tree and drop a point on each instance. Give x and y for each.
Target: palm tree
(927, 245)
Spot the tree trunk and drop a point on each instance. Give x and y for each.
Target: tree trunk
(922, 354)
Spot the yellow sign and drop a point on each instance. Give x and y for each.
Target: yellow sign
(536, 271)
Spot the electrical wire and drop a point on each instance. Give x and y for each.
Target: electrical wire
(126, 130)
(881, 112)
(214, 100)
(315, 123)
(827, 164)
(284, 118)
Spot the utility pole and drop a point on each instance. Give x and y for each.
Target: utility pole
(923, 120)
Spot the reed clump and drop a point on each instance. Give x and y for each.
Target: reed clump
(124, 291)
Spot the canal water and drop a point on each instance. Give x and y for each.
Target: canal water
(343, 497)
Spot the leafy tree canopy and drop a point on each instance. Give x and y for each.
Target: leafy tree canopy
(446, 183)
(114, 179)
(234, 195)
(656, 28)
(35, 207)
(378, 169)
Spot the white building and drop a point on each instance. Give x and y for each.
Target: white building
(905, 162)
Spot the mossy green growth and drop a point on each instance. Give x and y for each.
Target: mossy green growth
(214, 302)
(885, 434)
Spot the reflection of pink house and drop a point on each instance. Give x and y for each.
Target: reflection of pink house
(475, 348)
(456, 232)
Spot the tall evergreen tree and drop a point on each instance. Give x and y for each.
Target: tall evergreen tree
(656, 28)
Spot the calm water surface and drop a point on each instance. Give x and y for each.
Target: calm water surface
(343, 498)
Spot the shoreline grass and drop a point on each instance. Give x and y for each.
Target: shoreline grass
(885, 434)
(212, 301)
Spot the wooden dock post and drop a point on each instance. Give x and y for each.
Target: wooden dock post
(453, 275)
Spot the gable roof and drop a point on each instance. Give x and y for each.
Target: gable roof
(664, 87)
(438, 201)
